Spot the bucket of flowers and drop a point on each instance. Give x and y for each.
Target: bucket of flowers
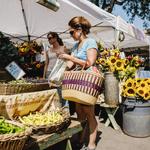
(110, 60)
(136, 107)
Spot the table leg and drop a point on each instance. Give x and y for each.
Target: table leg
(113, 112)
(111, 118)
(68, 145)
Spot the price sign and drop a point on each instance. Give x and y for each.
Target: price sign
(15, 70)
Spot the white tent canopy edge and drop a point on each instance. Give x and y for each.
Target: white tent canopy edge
(41, 20)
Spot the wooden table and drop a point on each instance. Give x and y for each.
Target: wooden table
(111, 111)
(41, 142)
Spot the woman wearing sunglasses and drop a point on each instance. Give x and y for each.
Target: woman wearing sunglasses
(57, 48)
(84, 53)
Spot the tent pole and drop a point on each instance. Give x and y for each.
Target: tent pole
(25, 20)
(116, 38)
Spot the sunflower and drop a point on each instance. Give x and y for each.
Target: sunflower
(138, 80)
(130, 92)
(146, 79)
(147, 95)
(126, 62)
(140, 91)
(105, 53)
(136, 58)
(143, 84)
(115, 52)
(119, 64)
(112, 59)
(102, 61)
(38, 65)
(137, 64)
(129, 83)
(148, 82)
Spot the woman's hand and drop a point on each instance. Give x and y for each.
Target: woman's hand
(65, 56)
(73, 59)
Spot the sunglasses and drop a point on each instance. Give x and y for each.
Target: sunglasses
(71, 33)
(50, 38)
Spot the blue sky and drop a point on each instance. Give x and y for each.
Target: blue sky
(119, 11)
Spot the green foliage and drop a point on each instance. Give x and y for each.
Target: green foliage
(133, 8)
(8, 52)
(140, 8)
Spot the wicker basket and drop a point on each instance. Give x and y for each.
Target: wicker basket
(9, 89)
(14, 141)
(82, 86)
(57, 127)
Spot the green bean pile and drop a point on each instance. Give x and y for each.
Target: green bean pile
(7, 128)
(49, 118)
(21, 81)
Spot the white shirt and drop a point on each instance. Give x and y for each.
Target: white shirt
(52, 56)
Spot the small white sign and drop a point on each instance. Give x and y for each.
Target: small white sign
(15, 70)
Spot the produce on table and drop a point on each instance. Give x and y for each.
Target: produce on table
(7, 128)
(37, 119)
(21, 81)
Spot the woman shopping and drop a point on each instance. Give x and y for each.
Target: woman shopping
(57, 48)
(84, 53)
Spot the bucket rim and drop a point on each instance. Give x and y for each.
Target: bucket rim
(131, 101)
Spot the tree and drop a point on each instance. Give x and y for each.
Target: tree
(133, 8)
(8, 52)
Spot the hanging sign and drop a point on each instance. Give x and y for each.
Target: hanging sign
(15, 70)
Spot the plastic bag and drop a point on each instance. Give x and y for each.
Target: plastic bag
(57, 72)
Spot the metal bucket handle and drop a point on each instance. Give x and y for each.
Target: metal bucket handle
(129, 107)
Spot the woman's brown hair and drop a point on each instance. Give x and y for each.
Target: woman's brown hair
(80, 22)
(55, 35)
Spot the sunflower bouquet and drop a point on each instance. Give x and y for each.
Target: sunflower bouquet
(137, 88)
(124, 68)
(28, 48)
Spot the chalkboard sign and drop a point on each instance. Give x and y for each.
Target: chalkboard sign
(15, 70)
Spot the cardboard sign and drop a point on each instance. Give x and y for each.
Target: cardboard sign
(15, 70)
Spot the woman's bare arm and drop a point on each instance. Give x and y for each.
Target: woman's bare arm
(46, 65)
(91, 58)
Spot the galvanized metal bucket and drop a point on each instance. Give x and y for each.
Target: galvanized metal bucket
(136, 117)
(111, 91)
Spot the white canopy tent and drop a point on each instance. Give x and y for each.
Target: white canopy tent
(27, 19)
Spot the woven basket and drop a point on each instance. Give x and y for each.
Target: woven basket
(9, 89)
(82, 86)
(57, 127)
(14, 141)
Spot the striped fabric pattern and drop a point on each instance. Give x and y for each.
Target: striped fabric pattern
(86, 82)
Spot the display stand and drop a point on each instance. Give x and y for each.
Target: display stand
(41, 142)
(111, 111)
